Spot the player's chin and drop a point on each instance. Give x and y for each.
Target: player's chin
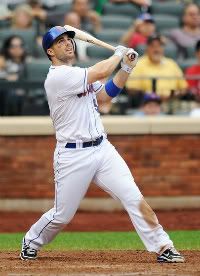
(70, 54)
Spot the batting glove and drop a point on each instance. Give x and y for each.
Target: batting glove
(120, 51)
(129, 60)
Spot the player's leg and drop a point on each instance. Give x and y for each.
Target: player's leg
(115, 177)
(74, 170)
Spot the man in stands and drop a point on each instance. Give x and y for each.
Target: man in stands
(155, 65)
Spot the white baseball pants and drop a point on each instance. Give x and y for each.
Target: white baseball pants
(74, 170)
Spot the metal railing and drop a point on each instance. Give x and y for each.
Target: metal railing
(28, 86)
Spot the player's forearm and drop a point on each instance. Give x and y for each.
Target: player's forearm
(103, 69)
(107, 66)
(114, 86)
(120, 78)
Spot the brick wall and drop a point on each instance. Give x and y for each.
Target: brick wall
(161, 164)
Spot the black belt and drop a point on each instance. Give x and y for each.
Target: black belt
(85, 144)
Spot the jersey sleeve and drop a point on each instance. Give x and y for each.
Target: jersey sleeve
(97, 86)
(71, 80)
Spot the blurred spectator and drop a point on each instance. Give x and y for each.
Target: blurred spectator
(12, 62)
(90, 20)
(39, 15)
(13, 56)
(194, 71)
(22, 17)
(155, 64)
(151, 106)
(138, 33)
(74, 20)
(37, 11)
(189, 33)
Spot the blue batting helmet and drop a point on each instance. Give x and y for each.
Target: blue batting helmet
(50, 36)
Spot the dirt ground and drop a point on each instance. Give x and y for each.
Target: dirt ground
(97, 263)
(118, 221)
(101, 263)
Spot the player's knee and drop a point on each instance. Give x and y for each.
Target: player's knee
(131, 197)
(63, 219)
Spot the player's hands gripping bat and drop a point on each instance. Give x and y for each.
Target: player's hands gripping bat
(129, 60)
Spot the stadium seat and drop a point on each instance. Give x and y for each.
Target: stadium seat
(185, 63)
(167, 7)
(35, 102)
(98, 52)
(5, 23)
(29, 37)
(114, 22)
(13, 6)
(37, 69)
(87, 63)
(190, 52)
(166, 33)
(121, 9)
(171, 51)
(164, 22)
(63, 7)
(39, 52)
(55, 18)
(110, 35)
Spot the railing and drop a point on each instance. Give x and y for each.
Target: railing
(28, 85)
(24, 84)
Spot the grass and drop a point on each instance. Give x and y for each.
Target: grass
(183, 240)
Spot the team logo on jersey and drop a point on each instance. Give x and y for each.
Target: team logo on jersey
(90, 89)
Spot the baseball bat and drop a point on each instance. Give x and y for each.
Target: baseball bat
(89, 38)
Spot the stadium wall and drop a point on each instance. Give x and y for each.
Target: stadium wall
(162, 153)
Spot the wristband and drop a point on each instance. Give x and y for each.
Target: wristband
(111, 89)
(126, 68)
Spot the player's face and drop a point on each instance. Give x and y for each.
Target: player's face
(62, 49)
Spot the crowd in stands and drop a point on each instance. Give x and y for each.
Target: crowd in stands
(165, 33)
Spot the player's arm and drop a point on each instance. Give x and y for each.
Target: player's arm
(105, 68)
(114, 86)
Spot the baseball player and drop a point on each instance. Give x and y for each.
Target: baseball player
(83, 153)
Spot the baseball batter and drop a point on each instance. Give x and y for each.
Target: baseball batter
(83, 153)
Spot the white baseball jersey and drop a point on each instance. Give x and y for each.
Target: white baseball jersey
(73, 104)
